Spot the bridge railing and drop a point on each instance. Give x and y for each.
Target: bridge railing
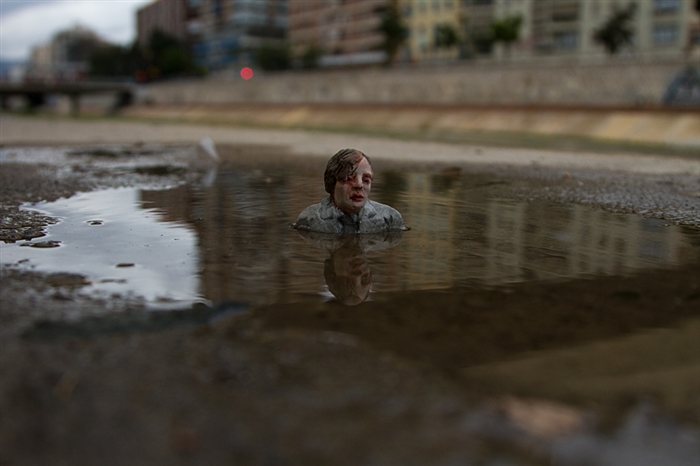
(36, 93)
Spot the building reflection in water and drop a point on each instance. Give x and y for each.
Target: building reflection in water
(464, 237)
(460, 237)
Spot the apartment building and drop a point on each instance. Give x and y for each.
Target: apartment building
(66, 57)
(219, 32)
(229, 31)
(169, 16)
(346, 32)
(567, 27)
(660, 26)
(424, 18)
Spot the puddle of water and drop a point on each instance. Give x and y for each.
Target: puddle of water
(232, 241)
(123, 245)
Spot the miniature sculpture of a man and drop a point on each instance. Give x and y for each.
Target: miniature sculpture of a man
(348, 210)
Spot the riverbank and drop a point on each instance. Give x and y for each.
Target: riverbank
(43, 130)
(600, 128)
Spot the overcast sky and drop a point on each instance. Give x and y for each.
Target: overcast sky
(27, 23)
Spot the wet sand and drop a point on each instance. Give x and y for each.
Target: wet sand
(385, 384)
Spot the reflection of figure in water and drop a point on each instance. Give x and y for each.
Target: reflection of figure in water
(347, 270)
(348, 210)
(348, 275)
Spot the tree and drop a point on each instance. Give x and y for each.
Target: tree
(79, 49)
(174, 60)
(166, 55)
(482, 42)
(273, 57)
(394, 31)
(77, 44)
(617, 30)
(112, 60)
(311, 56)
(445, 36)
(506, 30)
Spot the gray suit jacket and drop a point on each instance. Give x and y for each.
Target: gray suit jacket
(325, 217)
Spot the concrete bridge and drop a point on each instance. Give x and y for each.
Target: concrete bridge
(36, 93)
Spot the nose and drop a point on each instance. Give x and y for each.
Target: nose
(357, 181)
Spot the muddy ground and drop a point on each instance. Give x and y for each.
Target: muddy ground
(549, 373)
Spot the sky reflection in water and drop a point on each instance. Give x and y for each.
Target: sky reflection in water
(121, 244)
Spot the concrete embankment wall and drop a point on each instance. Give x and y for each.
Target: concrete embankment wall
(650, 127)
(603, 101)
(619, 82)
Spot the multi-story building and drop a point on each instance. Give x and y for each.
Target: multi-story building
(40, 61)
(168, 16)
(346, 32)
(219, 32)
(424, 18)
(229, 31)
(66, 57)
(567, 27)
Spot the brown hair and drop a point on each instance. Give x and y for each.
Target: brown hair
(340, 166)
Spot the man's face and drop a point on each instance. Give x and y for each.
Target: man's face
(351, 193)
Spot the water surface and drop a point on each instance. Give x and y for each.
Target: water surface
(447, 293)
(232, 240)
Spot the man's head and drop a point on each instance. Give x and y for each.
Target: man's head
(348, 179)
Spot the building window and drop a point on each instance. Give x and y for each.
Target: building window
(248, 18)
(566, 40)
(422, 40)
(565, 16)
(436, 5)
(407, 10)
(666, 6)
(333, 34)
(665, 35)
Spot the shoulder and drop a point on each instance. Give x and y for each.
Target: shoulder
(318, 217)
(383, 210)
(384, 215)
(313, 209)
